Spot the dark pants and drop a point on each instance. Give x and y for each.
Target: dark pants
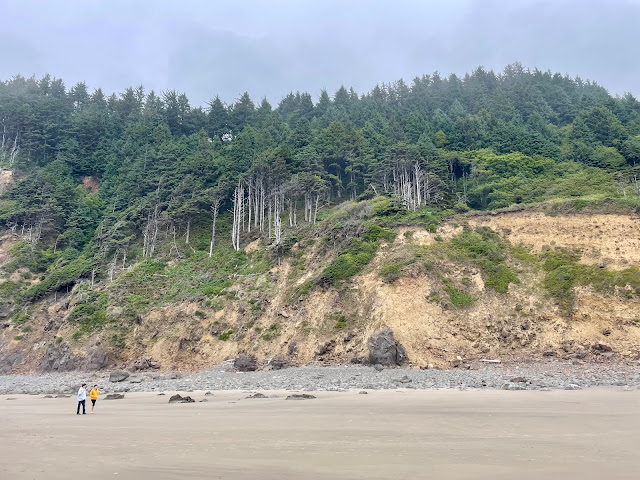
(81, 402)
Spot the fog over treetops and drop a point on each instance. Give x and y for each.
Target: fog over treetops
(209, 48)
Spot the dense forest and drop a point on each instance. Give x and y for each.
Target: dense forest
(100, 181)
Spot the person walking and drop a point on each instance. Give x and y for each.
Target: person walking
(82, 398)
(93, 395)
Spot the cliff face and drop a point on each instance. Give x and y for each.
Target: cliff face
(533, 285)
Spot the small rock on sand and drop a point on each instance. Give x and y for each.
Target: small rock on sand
(300, 396)
(257, 395)
(180, 399)
(114, 396)
(513, 386)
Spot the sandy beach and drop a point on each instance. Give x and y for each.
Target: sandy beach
(444, 434)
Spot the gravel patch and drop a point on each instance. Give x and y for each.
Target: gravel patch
(557, 375)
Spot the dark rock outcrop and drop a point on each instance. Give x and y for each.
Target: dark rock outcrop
(279, 362)
(114, 396)
(60, 358)
(385, 350)
(8, 361)
(300, 396)
(245, 363)
(97, 358)
(143, 364)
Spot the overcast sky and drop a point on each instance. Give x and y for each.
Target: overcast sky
(271, 47)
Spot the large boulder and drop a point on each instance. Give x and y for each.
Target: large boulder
(97, 358)
(278, 363)
(384, 349)
(118, 376)
(245, 363)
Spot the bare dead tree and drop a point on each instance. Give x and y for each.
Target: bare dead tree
(215, 208)
(174, 246)
(238, 195)
(277, 221)
(112, 266)
(15, 149)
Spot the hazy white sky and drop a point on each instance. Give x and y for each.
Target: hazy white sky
(271, 47)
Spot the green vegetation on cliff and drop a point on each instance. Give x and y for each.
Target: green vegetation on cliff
(163, 197)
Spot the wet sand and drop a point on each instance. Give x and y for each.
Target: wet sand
(445, 434)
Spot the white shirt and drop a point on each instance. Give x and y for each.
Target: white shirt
(82, 394)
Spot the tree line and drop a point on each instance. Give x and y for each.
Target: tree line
(110, 175)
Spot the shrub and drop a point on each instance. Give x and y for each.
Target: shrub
(58, 277)
(224, 336)
(91, 314)
(8, 288)
(357, 256)
(485, 249)
(559, 283)
(499, 277)
(563, 272)
(21, 318)
(118, 341)
(390, 273)
(433, 297)
(271, 332)
(216, 286)
(339, 319)
(459, 298)
(385, 206)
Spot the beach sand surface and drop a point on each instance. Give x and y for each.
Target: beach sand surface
(405, 434)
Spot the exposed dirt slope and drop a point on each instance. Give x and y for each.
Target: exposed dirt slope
(610, 239)
(333, 324)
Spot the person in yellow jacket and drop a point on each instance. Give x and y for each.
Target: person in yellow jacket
(93, 395)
